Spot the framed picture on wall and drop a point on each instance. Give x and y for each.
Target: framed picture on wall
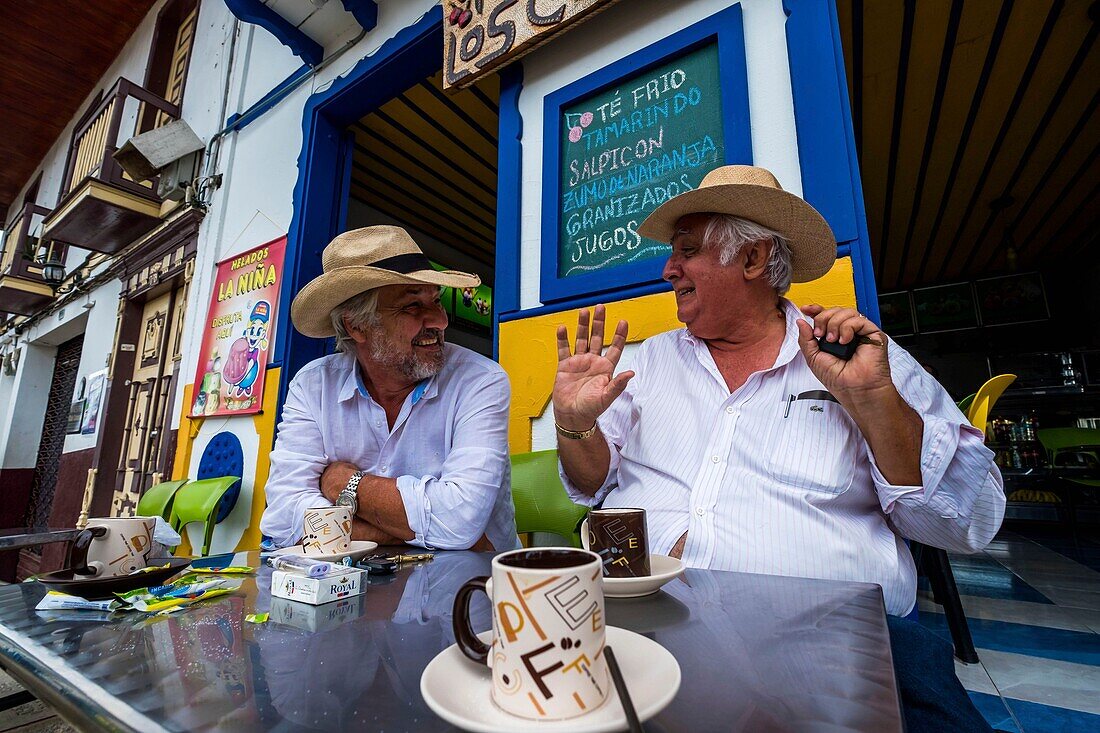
(896, 314)
(1012, 299)
(945, 308)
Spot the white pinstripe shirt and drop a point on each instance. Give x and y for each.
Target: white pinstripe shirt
(774, 479)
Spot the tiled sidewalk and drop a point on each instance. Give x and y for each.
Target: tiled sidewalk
(1033, 604)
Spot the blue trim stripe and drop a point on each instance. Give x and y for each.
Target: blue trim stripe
(1078, 647)
(510, 172)
(826, 141)
(587, 300)
(254, 11)
(411, 55)
(239, 121)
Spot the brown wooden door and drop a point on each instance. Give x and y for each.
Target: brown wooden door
(143, 459)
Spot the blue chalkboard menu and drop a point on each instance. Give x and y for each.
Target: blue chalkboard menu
(629, 148)
(624, 138)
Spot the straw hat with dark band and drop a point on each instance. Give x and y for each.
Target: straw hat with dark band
(361, 260)
(753, 193)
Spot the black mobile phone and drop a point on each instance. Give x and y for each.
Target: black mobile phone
(378, 565)
(837, 349)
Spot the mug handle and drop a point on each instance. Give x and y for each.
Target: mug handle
(467, 640)
(585, 542)
(78, 555)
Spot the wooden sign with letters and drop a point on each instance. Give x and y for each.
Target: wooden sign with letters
(483, 35)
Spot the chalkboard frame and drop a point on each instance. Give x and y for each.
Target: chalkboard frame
(726, 29)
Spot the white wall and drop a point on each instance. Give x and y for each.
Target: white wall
(21, 418)
(621, 30)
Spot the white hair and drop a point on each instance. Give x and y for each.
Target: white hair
(361, 311)
(732, 233)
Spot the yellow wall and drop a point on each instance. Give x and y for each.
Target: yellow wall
(529, 354)
(264, 425)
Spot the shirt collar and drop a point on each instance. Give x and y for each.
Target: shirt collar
(787, 350)
(353, 385)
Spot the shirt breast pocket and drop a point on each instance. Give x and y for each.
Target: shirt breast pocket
(815, 448)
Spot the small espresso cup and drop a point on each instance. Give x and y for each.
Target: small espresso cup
(112, 546)
(619, 537)
(326, 530)
(548, 632)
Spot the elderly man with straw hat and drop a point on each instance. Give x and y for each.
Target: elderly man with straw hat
(409, 431)
(753, 449)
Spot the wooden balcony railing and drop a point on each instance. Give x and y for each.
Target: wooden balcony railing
(123, 113)
(24, 253)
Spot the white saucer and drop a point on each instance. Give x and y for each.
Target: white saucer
(662, 569)
(459, 690)
(356, 550)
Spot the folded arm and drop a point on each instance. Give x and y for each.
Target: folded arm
(452, 510)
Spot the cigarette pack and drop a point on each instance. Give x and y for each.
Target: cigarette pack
(343, 583)
(316, 618)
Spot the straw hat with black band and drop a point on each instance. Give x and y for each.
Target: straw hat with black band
(361, 260)
(753, 193)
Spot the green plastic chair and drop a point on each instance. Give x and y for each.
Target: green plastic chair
(1056, 440)
(198, 501)
(540, 499)
(157, 500)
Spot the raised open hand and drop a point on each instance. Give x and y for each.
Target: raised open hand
(586, 385)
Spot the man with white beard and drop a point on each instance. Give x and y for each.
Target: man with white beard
(407, 430)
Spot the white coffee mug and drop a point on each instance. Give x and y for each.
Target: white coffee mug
(111, 546)
(548, 632)
(326, 530)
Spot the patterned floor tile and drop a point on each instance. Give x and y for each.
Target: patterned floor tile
(1078, 647)
(1021, 612)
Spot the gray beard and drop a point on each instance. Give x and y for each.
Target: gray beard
(411, 366)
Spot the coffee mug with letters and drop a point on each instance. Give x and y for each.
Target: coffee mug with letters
(619, 537)
(546, 653)
(111, 546)
(326, 530)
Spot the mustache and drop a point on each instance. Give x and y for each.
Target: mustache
(436, 333)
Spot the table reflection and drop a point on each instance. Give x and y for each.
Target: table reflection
(757, 653)
(358, 663)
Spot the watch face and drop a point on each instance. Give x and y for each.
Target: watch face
(344, 500)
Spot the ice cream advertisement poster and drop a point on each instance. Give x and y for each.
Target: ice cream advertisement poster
(239, 332)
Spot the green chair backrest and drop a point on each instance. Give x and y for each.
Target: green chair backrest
(965, 402)
(540, 499)
(157, 500)
(198, 502)
(1058, 439)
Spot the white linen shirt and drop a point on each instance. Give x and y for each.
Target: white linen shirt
(775, 479)
(448, 449)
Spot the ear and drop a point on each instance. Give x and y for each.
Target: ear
(756, 258)
(356, 335)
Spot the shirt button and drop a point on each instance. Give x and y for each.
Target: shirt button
(715, 459)
(384, 467)
(729, 410)
(700, 511)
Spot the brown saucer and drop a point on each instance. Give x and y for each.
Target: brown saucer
(98, 589)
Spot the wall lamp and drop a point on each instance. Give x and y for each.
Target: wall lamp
(53, 273)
